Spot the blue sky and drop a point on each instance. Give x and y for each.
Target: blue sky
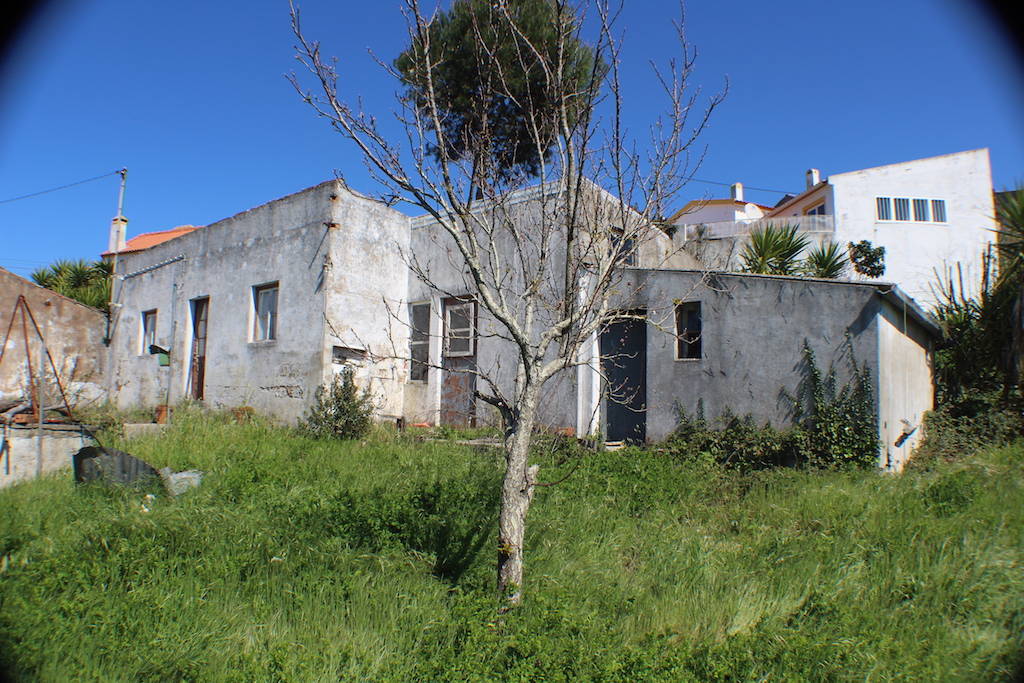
(192, 98)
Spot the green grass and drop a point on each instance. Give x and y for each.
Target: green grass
(300, 560)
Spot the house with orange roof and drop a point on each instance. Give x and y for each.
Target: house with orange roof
(146, 240)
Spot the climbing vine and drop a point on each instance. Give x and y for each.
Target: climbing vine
(835, 427)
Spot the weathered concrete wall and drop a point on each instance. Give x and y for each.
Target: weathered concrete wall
(287, 241)
(905, 383)
(59, 444)
(365, 298)
(441, 273)
(752, 340)
(73, 333)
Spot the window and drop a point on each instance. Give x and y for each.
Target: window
(148, 329)
(459, 321)
(884, 205)
(921, 210)
(621, 248)
(419, 341)
(688, 331)
(925, 210)
(265, 299)
(818, 210)
(902, 208)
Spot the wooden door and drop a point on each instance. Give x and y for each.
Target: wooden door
(197, 369)
(458, 365)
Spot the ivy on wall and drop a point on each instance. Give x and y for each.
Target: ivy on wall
(835, 427)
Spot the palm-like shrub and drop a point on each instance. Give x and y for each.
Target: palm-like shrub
(826, 260)
(773, 250)
(85, 281)
(981, 356)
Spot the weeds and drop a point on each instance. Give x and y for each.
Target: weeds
(310, 560)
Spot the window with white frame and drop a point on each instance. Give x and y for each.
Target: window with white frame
(460, 321)
(148, 330)
(265, 301)
(816, 210)
(419, 341)
(884, 208)
(920, 210)
(921, 213)
(902, 206)
(688, 346)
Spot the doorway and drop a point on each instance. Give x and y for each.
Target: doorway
(458, 364)
(197, 368)
(624, 366)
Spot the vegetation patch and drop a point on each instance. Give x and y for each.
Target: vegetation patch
(836, 427)
(373, 560)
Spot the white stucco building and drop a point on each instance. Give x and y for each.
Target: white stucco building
(934, 216)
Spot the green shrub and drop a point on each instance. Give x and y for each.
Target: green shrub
(958, 431)
(341, 411)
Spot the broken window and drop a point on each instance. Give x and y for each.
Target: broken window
(148, 330)
(460, 318)
(622, 248)
(265, 299)
(688, 331)
(419, 341)
(343, 355)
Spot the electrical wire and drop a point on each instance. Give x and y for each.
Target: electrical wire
(63, 187)
(758, 189)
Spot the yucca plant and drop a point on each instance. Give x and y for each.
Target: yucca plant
(826, 260)
(85, 281)
(773, 250)
(1009, 289)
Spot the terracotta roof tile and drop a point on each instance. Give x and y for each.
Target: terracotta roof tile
(151, 239)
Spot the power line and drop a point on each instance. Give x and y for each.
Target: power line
(63, 187)
(745, 187)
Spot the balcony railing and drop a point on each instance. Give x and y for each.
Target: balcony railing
(808, 224)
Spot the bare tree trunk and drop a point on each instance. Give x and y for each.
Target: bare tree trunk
(516, 496)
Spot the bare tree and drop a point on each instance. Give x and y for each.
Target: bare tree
(544, 255)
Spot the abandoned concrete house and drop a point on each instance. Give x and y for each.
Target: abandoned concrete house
(935, 217)
(262, 308)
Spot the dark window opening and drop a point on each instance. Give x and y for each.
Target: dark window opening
(419, 342)
(688, 346)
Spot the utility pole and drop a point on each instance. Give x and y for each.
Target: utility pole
(118, 230)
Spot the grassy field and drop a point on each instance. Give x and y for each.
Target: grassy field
(300, 560)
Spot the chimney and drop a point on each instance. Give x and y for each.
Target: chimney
(813, 177)
(737, 192)
(118, 228)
